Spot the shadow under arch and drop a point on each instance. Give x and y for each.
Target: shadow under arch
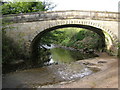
(36, 40)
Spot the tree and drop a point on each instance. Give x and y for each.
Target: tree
(25, 7)
(12, 51)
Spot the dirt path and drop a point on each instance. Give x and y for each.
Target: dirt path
(106, 78)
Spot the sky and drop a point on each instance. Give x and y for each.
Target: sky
(97, 5)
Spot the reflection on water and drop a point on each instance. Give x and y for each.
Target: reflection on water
(61, 55)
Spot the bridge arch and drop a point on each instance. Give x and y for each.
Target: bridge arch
(109, 38)
(29, 26)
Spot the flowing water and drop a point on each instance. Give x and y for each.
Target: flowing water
(62, 66)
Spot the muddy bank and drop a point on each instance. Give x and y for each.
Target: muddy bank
(48, 75)
(107, 77)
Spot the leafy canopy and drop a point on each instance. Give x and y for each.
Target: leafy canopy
(25, 7)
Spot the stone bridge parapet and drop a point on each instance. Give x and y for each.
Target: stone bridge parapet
(57, 15)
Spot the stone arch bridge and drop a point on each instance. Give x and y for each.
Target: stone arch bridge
(29, 27)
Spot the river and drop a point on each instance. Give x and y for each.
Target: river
(63, 66)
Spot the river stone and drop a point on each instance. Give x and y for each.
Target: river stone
(102, 61)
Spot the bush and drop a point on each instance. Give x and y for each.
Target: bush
(74, 37)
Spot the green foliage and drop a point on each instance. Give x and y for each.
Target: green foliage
(25, 7)
(119, 45)
(52, 37)
(43, 56)
(10, 50)
(74, 37)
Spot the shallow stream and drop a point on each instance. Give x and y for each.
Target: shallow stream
(63, 66)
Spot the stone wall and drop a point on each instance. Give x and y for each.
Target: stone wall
(56, 15)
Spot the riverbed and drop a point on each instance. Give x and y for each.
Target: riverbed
(65, 68)
(107, 77)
